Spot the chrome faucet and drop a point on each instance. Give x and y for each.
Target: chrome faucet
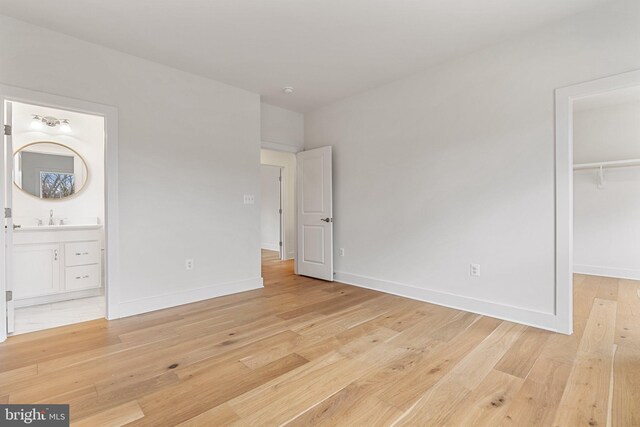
(51, 217)
(39, 221)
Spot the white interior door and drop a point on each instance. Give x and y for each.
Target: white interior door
(7, 201)
(315, 213)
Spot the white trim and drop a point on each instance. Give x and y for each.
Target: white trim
(173, 299)
(564, 98)
(62, 296)
(618, 273)
(285, 198)
(486, 308)
(110, 114)
(3, 235)
(270, 247)
(276, 146)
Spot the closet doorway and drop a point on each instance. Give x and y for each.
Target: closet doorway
(597, 200)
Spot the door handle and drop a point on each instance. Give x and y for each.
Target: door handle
(326, 219)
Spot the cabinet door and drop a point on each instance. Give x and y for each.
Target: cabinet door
(36, 270)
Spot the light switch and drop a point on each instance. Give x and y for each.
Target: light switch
(249, 199)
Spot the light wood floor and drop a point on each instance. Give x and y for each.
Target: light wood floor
(304, 352)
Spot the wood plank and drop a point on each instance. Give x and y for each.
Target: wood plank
(281, 399)
(351, 406)
(219, 416)
(118, 416)
(626, 388)
(438, 361)
(520, 358)
(628, 314)
(586, 395)
(537, 401)
(208, 389)
(488, 403)
(443, 399)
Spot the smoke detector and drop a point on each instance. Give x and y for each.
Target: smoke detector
(288, 90)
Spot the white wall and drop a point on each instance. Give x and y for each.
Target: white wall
(456, 166)
(87, 139)
(606, 227)
(269, 208)
(181, 179)
(281, 129)
(607, 133)
(286, 161)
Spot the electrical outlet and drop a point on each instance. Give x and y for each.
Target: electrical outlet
(189, 264)
(341, 251)
(474, 270)
(249, 199)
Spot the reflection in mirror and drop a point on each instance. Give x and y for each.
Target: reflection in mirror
(49, 170)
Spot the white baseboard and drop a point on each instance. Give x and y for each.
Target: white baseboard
(145, 305)
(542, 320)
(62, 296)
(619, 273)
(270, 246)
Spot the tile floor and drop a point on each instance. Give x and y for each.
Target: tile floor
(45, 316)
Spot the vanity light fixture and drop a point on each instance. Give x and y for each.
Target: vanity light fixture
(64, 125)
(38, 121)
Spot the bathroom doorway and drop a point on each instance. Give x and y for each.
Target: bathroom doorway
(58, 192)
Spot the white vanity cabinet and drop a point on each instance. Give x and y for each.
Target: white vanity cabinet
(36, 270)
(56, 263)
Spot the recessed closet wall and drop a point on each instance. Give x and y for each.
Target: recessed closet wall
(607, 217)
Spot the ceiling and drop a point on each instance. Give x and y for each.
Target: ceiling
(629, 95)
(325, 49)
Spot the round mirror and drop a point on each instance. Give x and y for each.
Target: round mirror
(48, 170)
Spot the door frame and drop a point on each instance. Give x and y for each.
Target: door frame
(111, 225)
(564, 98)
(272, 146)
(281, 223)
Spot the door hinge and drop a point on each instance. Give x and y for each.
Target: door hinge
(280, 178)
(7, 129)
(9, 295)
(280, 243)
(7, 212)
(280, 211)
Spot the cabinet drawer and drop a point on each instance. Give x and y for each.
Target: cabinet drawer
(81, 253)
(82, 277)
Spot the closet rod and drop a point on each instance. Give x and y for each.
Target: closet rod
(612, 164)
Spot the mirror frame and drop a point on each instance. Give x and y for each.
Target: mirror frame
(74, 195)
